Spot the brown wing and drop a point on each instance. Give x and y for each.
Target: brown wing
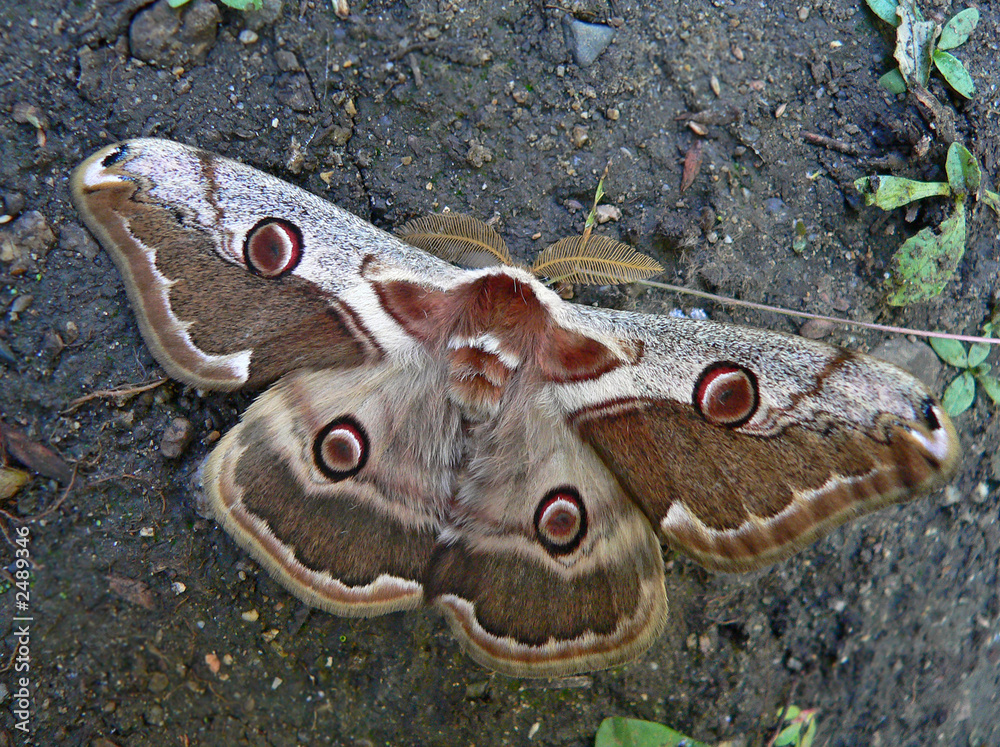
(329, 485)
(236, 277)
(547, 568)
(743, 446)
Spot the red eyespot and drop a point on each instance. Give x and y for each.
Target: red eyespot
(561, 520)
(726, 394)
(341, 449)
(272, 248)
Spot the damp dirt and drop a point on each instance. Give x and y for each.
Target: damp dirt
(150, 626)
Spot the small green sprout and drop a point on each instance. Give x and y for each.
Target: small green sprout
(961, 392)
(238, 4)
(921, 45)
(631, 732)
(925, 263)
(798, 728)
(592, 215)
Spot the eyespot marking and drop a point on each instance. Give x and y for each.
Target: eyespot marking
(340, 450)
(561, 520)
(726, 394)
(272, 248)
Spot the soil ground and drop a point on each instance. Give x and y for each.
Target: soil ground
(150, 626)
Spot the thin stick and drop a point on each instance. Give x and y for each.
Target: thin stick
(124, 392)
(831, 143)
(819, 317)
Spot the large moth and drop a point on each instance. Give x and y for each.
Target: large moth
(467, 439)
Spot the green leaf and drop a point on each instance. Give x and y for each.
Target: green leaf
(955, 73)
(924, 264)
(991, 386)
(244, 4)
(893, 82)
(958, 29)
(630, 732)
(891, 192)
(885, 9)
(950, 351)
(978, 353)
(964, 174)
(800, 729)
(914, 44)
(981, 370)
(959, 394)
(992, 200)
(177, 3)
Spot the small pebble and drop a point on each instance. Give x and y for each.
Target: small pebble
(286, 61)
(20, 305)
(607, 213)
(155, 716)
(11, 205)
(248, 37)
(176, 438)
(478, 155)
(31, 234)
(74, 238)
(586, 41)
(980, 493)
(477, 690)
(916, 357)
(71, 333)
(158, 682)
(816, 329)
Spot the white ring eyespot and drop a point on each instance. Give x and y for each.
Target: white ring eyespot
(273, 248)
(726, 394)
(340, 450)
(561, 520)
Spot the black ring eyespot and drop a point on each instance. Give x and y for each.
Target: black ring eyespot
(272, 248)
(340, 450)
(561, 520)
(726, 394)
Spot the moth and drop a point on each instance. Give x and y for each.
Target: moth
(469, 440)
